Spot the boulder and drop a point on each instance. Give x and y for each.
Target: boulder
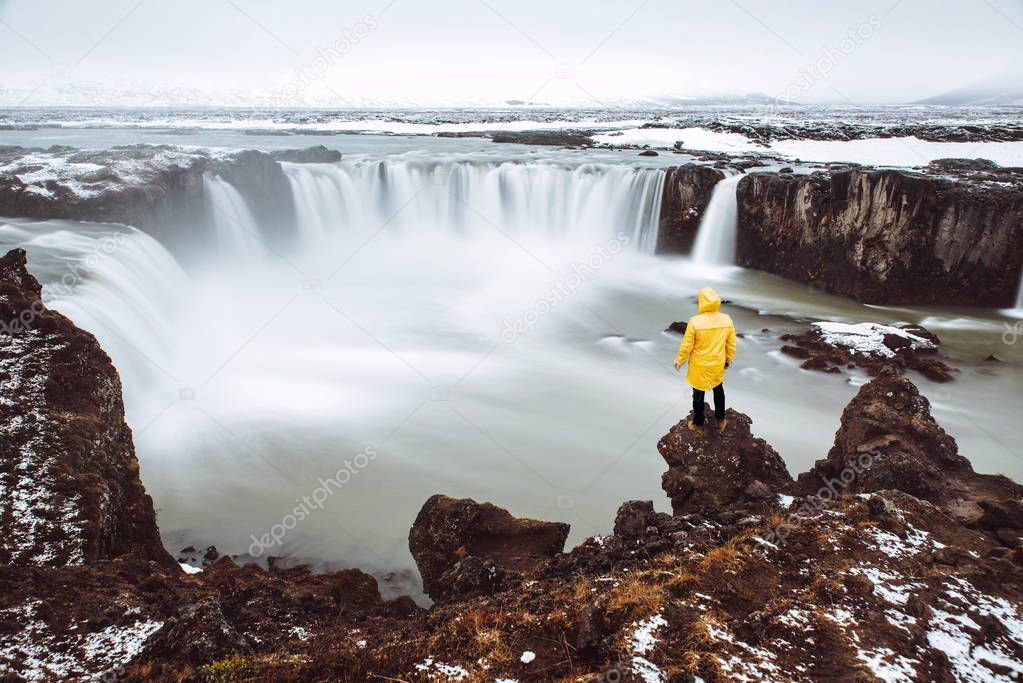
(463, 547)
(889, 440)
(721, 471)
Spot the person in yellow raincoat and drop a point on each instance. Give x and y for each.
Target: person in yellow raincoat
(709, 347)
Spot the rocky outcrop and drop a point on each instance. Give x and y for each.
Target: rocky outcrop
(68, 472)
(888, 237)
(722, 471)
(835, 347)
(687, 191)
(158, 188)
(463, 547)
(141, 185)
(889, 440)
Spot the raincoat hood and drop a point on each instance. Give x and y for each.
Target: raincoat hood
(709, 301)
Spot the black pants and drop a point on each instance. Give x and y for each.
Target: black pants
(719, 404)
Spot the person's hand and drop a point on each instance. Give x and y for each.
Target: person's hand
(677, 366)
(728, 364)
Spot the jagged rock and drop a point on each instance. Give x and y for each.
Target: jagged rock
(687, 191)
(722, 471)
(67, 463)
(637, 518)
(889, 440)
(648, 153)
(886, 236)
(447, 531)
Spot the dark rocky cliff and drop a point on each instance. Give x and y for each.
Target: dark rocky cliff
(952, 235)
(68, 472)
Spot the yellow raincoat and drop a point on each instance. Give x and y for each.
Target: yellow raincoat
(708, 343)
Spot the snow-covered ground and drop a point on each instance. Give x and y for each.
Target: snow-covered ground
(867, 135)
(896, 151)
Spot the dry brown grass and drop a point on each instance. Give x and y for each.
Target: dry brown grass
(826, 589)
(479, 632)
(638, 595)
(682, 584)
(721, 560)
(579, 591)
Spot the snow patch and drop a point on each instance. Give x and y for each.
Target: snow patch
(643, 638)
(867, 338)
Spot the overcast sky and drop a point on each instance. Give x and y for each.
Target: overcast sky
(489, 51)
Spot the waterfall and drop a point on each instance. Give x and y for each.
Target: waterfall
(591, 202)
(715, 238)
(235, 228)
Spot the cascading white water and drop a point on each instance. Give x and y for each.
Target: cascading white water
(591, 202)
(715, 238)
(235, 227)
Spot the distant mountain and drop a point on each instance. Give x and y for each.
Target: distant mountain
(979, 95)
(716, 99)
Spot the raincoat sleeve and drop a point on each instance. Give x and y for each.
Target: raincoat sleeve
(688, 340)
(730, 344)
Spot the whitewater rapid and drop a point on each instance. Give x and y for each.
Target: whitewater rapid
(487, 329)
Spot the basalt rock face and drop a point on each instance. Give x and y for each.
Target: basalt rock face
(889, 237)
(158, 188)
(720, 471)
(68, 472)
(463, 547)
(889, 440)
(687, 191)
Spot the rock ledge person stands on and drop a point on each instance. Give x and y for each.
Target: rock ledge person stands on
(709, 347)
